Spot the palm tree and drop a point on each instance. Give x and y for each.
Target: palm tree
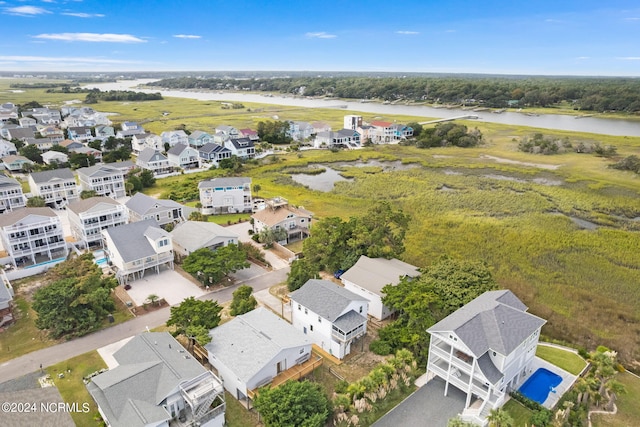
(499, 418)
(153, 299)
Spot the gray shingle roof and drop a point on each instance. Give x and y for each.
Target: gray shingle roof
(52, 175)
(177, 149)
(193, 235)
(212, 147)
(325, 298)
(249, 342)
(225, 182)
(495, 320)
(10, 218)
(131, 239)
(374, 273)
(7, 182)
(83, 205)
(100, 170)
(349, 321)
(143, 204)
(150, 155)
(151, 367)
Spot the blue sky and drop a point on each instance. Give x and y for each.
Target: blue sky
(561, 37)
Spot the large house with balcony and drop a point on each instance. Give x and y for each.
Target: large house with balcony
(199, 138)
(105, 180)
(33, 236)
(163, 211)
(225, 195)
(174, 137)
(330, 315)
(241, 147)
(279, 215)
(154, 161)
(484, 349)
(213, 153)
(11, 196)
(88, 217)
(183, 156)
(143, 141)
(256, 349)
(136, 247)
(190, 236)
(152, 381)
(57, 187)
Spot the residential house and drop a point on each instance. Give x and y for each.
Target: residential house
(7, 148)
(43, 144)
(278, 215)
(136, 247)
(163, 211)
(8, 111)
(16, 163)
(153, 160)
(11, 196)
(256, 349)
(228, 131)
(104, 179)
(225, 195)
(84, 116)
(241, 147)
(368, 276)
(32, 236)
(146, 140)
(153, 381)
(402, 131)
(344, 138)
(484, 349)
(6, 302)
(104, 132)
(96, 154)
(199, 138)
(249, 133)
(129, 129)
(367, 133)
(320, 127)
(383, 132)
(54, 157)
(44, 115)
(52, 133)
(174, 138)
(352, 122)
(80, 134)
(88, 217)
(183, 156)
(330, 315)
(214, 153)
(124, 166)
(70, 144)
(57, 187)
(19, 133)
(190, 236)
(300, 131)
(6, 127)
(26, 122)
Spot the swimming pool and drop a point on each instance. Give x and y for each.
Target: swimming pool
(100, 258)
(540, 384)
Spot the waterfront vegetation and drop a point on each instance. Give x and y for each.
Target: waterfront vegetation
(564, 359)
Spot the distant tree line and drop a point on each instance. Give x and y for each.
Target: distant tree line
(95, 95)
(544, 144)
(589, 94)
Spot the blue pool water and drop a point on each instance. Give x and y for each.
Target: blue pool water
(540, 384)
(100, 258)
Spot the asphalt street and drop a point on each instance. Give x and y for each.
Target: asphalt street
(51, 355)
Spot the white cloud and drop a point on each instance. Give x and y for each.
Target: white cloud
(26, 11)
(632, 19)
(629, 58)
(410, 33)
(65, 59)
(83, 15)
(92, 37)
(451, 31)
(320, 35)
(186, 36)
(582, 58)
(553, 21)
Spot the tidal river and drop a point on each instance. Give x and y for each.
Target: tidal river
(617, 127)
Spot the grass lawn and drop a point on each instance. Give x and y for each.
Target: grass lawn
(566, 360)
(73, 389)
(237, 415)
(628, 406)
(229, 219)
(518, 412)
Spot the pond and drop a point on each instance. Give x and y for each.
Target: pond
(321, 182)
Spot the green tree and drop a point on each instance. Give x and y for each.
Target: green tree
(153, 299)
(243, 301)
(194, 312)
(212, 266)
(77, 302)
(147, 179)
(268, 236)
(458, 422)
(197, 216)
(499, 418)
(293, 404)
(197, 333)
(32, 153)
(301, 271)
(256, 189)
(81, 160)
(59, 149)
(87, 194)
(36, 202)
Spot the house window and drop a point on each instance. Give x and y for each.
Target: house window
(301, 350)
(305, 311)
(319, 319)
(299, 307)
(360, 309)
(311, 328)
(494, 353)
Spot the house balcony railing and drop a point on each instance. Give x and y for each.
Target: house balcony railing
(292, 374)
(347, 336)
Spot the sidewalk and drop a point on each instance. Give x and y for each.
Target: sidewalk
(274, 303)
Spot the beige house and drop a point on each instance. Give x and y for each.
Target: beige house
(279, 215)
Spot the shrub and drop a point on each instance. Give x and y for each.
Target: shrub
(380, 348)
(341, 386)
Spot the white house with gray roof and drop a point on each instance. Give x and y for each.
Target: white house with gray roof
(153, 160)
(190, 236)
(136, 247)
(250, 350)
(88, 217)
(163, 211)
(57, 187)
(183, 156)
(11, 196)
(225, 195)
(104, 179)
(368, 276)
(330, 315)
(484, 349)
(174, 137)
(157, 383)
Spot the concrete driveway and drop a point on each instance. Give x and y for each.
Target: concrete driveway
(242, 229)
(169, 284)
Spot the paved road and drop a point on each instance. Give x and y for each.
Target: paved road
(58, 353)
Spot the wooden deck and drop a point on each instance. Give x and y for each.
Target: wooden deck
(321, 352)
(292, 374)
